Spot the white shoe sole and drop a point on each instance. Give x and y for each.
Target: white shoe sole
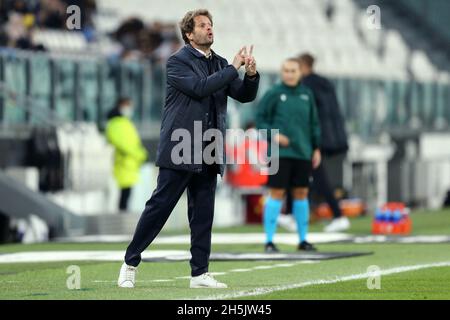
(126, 284)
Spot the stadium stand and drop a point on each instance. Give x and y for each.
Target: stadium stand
(281, 31)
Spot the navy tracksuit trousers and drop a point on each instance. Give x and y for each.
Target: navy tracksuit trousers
(171, 184)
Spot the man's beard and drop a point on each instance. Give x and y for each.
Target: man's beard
(205, 42)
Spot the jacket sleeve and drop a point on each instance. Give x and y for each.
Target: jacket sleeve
(117, 136)
(244, 90)
(264, 114)
(315, 124)
(183, 78)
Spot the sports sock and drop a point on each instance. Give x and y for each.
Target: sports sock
(301, 214)
(272, 209)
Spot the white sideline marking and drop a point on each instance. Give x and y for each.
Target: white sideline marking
(258, 238)
(85, 255)
(408, 239)
(116, 255)
(240, 270)
(261, 291)
(284, 265)
(220, 238)
(263, 267)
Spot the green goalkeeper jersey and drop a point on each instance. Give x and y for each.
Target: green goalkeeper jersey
(291, 110)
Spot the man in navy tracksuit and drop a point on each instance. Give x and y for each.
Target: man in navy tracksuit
(198, 84)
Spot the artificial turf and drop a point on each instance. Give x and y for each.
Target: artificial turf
(167, 280)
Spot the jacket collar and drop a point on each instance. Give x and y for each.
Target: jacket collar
(197, 53)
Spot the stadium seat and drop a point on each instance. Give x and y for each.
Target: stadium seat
(88, 167)
(272, 38)
(60, 41)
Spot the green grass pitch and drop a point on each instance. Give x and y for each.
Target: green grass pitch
(332, 279)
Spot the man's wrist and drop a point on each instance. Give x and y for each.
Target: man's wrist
(234, 67)
(252, 76)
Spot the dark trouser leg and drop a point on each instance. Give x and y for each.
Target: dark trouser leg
(322, 185)
(124, 197)
(201, 194)
(170, 187)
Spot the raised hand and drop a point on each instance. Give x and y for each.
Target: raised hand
(239, 59)
(250, 62)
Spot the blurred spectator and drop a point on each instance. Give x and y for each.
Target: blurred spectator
(20, 6)
(15, 28)
(129, 152)
(330, 10)
(154, 41)
(128, 33)
(333, 135)
(19, 18)
(52, 14)
(169, 42)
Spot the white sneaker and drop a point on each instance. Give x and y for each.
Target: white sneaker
(206, 280)
(287, 221)
(127, 276)
(338, 224)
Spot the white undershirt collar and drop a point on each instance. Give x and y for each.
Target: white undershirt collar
(202, 52)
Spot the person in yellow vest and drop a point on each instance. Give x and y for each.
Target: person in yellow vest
(129, 153)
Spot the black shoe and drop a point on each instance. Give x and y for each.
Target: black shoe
(306, 246)
(270, 248)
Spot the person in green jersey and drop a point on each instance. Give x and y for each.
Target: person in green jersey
(290, 107)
